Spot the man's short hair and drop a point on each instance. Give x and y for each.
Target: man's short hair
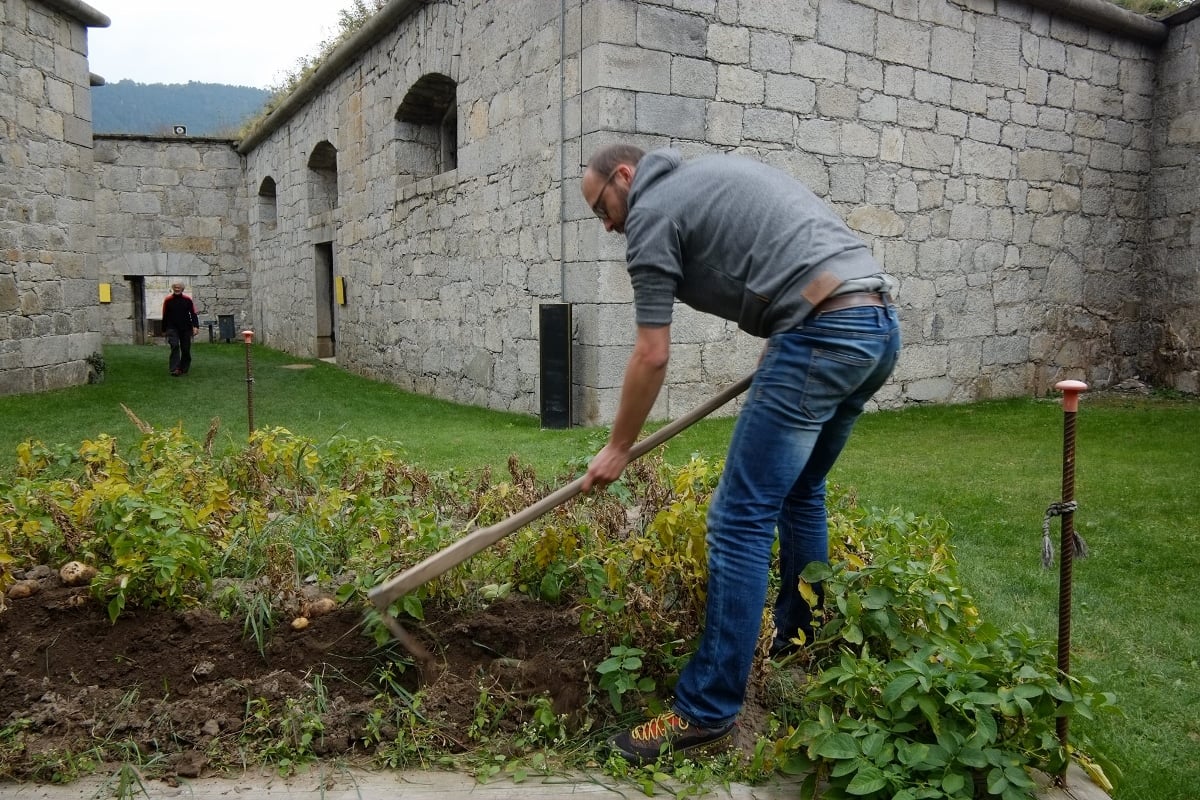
(609, 157)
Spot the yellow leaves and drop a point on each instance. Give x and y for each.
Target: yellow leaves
(555, 544)
(1094, 771)
(808, 593)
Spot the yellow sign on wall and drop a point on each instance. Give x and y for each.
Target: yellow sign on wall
(339, 290)
(106, 293)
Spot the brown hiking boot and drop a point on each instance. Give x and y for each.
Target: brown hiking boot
(668, 733)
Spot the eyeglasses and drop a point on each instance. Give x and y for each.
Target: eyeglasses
(597, 209)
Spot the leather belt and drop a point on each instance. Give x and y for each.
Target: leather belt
(850, 300)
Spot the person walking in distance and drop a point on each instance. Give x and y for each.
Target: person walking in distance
(180, 324)
(733, 237)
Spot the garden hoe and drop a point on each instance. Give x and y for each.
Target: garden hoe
(449, 557)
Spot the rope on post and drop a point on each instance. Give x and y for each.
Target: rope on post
(1057, 510)
(1068, 545)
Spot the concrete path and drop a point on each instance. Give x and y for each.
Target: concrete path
(341, 784)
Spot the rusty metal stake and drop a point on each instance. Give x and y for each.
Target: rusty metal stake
(248, 336)
(1067, 544)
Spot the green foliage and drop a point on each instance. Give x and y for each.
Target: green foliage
(915, 698)
(350, 20)
(283, 736)
(913, 695)
(1154, 8)
(620, 674)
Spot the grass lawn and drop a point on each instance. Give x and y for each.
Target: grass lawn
(990, 469)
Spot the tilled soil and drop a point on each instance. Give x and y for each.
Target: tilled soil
(172, 683)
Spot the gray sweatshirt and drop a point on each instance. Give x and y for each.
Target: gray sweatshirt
(735, 238)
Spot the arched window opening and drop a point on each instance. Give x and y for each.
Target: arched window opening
(427, 127)
(322, 179)
(268, 202)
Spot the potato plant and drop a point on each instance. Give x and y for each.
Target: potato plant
(913, 696)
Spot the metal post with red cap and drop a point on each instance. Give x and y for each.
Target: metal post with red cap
(248, 336)
(1068, 544)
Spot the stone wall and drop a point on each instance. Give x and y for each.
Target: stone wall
(996, 157)
(1171, 311)
(444, 263)
(170, 209)
(48, 324)
(995, 154)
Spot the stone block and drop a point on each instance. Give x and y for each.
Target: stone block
(846, 26)
(931, 88)
(75, 130)
(693, 77)
(791, 17)
(740, 85)
(790, 93)
(846, 183)
(1103, 100)
(836, 101)
(859, 140)
(765, 125)
(770, 52)
(627, 67)
(606, 109)
(729, 44)
(928, 150)
(1037, 165)
(880, 108)
(1061, 91)
(819, 62)
(898, 80)
(955, 53)
(1050, 140)
(903, 42)
(669, 115)
(724, 123)
(914, 114)
(819, 136)
(663, 29)
(993, 161)
(923, 361)
(864, 73)
(876, 221)
(969, 97)
(60, 95)
(610, 21)
(997, 52)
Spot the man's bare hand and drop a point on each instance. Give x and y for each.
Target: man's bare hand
(606, 467)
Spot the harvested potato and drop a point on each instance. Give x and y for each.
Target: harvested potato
(22, 589)
(319, 607)
(299, 623)
(76, 573)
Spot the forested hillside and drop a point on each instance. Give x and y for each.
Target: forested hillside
(205, 109)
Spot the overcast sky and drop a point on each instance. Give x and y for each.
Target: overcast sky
(241, 42)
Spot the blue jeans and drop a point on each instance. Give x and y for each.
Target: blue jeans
(809, 389)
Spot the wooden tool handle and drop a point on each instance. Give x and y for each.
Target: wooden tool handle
(451, 556)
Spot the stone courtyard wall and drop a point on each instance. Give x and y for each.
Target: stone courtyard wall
(996, 157)
(1171, 296)
(48, 324)
(171, 209)
(443, 272)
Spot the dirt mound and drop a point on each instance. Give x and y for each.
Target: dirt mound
(176, 684)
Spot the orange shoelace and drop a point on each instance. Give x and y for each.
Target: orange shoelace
(659, 727)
